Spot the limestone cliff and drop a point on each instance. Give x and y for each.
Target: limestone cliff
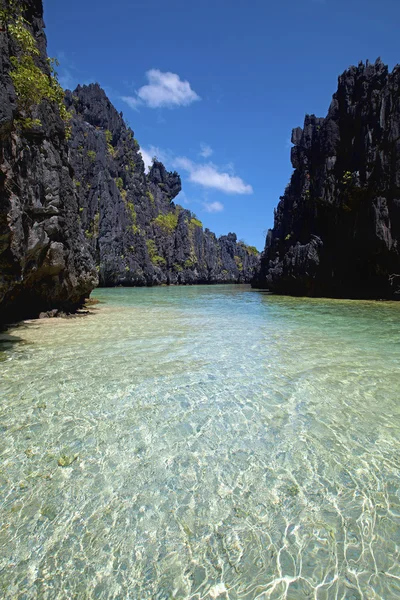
(136, 233)
(337, 227)
(44, 260)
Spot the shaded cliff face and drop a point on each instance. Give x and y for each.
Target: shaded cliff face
(136, 233)
(44, 260)
(337, 228)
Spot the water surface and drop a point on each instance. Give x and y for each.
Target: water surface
(223, 443)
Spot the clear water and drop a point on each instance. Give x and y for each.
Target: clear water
(225, 444)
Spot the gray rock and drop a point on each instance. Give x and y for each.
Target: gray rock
(44, 260)
(136, 233)
(337, 227)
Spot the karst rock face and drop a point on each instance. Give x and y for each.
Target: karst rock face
(76, 205)
(136, 233)
(337, 227)
(44, 259)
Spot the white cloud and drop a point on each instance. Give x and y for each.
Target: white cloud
(163, 90)
(131, 101)
(147, 158)
(150, 153)
(209, 176)
(213, 207)
(206, 150)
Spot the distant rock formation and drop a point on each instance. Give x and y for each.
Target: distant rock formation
(44, 260)
(136, 234)
(337, 227)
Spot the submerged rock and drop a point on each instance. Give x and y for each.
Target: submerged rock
(337, 227)
(67, 460)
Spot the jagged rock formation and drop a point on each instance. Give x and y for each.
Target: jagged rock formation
(44, 260)
(137, 235)
(337, 228)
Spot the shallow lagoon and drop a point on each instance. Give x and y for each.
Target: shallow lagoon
(223, 443)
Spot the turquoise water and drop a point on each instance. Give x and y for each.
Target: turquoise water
(217, 442)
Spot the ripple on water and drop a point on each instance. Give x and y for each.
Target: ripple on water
(203, 442)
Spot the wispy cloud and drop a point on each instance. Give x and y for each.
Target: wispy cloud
(66, 79)
(147, 158)
(213, 207)
(208, 175)
(163, 90)
(206, 150)
(131, 101)
(182, 198)
(152, 152)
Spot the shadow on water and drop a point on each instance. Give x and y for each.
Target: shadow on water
(7, 342)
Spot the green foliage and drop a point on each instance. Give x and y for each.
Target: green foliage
(131, 209)
(249, 249)
(178, 268)
(91, 155)
(347, 177)
(167, 222)
(119, 182)
(191, 262)
(150, 196)
(287, 238)
(77, 183)
(195, 222)
(31, 84)
(111, 150)
(252, 250)
(93, 231)
(152, 251)
(238, 262)
(29, 123)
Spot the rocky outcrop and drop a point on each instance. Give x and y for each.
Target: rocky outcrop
(73, 213)
(136, 233)
(337, 227)
(44, 260)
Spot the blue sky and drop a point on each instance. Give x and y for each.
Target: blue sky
(214, 88)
